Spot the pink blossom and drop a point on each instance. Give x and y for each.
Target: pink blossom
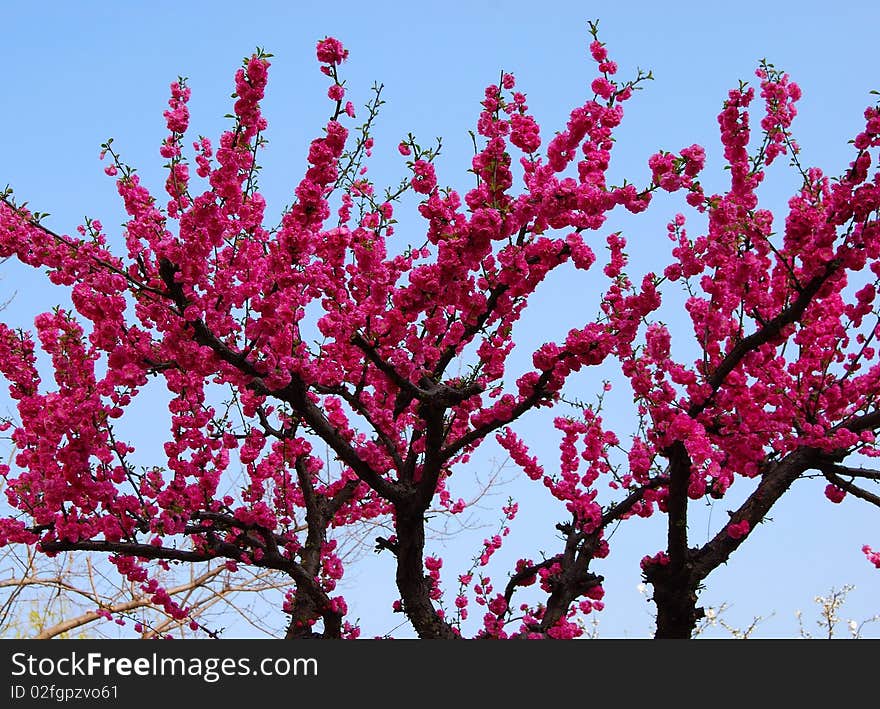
(331, 51)
(872, 556)
(739, 529)
(834, 493)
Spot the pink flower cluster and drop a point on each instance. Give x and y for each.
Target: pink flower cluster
(739, 529)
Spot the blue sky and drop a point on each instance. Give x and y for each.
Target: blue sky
(78, 73)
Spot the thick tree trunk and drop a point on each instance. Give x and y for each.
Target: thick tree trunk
(411, 582)
(677, 612)
(674, 588)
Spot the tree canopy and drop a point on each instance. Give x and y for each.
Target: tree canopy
(389, 347)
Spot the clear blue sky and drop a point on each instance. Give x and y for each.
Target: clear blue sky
(78, 73)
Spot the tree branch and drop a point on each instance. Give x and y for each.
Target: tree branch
(774, 483)
(294, 393)
(771, 329)
(850, 487)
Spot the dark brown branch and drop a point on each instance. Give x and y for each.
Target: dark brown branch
(383, 544)
(765, 334)
(341, 498)
(491, 302)
(389, 371)
(471, 330)
(433, 461)
(574, 581)
(674, 587)
(308, 606)
(146, 551)
(308, 493)
(226, 522)
(318, 422)
(411, 582)
(866, 422)
(850, 487)
(352, 400)
(73, 244)
(294, 393)
(677, 504)
(524, 575)
(621, 508)
(307, 585)
(863, 473)
(481, 432)
(775, 481)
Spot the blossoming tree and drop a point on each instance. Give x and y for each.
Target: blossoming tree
(327, 328)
